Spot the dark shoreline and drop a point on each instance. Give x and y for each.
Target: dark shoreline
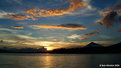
(91, 48)
(60, 53)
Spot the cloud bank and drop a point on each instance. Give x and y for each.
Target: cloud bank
(74, 5)
(62, 26)
(33, 13)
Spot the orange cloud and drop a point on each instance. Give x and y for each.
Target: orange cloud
(93, 33)
(105, 12)
(28, 17)
(20, 17)
(63, 26)
(16, 17)
(74, 5)
(18, 27)
(33, 13)
(55, 12)
(82, 38)
(46, 13)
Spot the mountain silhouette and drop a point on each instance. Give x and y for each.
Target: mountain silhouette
(92, 44)
(118, 45)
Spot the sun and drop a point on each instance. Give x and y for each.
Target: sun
(49, 48)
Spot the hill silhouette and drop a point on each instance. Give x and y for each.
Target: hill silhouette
(91, 48)
(118, 45)
(92, 44)
(116, 48)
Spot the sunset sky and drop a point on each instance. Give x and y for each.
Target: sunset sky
(59, 23)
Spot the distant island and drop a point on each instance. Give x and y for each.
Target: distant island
(90, 48)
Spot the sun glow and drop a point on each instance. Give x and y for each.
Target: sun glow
(49, 48)
(46, 43)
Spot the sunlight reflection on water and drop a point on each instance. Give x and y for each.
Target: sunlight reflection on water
(14, 60)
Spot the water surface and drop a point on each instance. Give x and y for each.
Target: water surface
(38, 60)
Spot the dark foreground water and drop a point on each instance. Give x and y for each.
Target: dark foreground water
(38, 60)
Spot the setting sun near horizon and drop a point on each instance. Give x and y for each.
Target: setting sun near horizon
(49, 48)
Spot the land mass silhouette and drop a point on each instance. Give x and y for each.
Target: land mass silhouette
(90, 48)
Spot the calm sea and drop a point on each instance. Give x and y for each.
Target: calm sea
(38, 60)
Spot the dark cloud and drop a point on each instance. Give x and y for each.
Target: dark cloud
(18, 27)
(71, 25)
(100, 23)
(118, 30)
(109, 19)
(120, 19)
(111, 16)
(93, 33)
(117, 7)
